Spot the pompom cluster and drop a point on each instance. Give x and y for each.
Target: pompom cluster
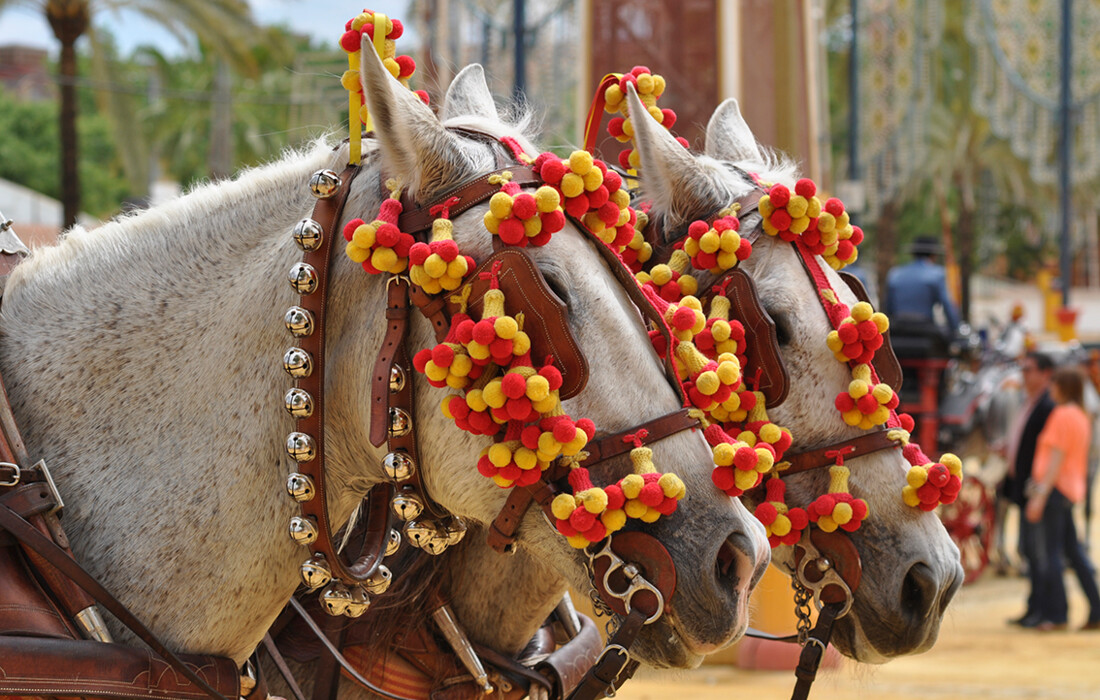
(858, 335)
(716, 247)
(380, 247)
(866, 404)
(447, 363)
(524, 218)
(784, 525)
(400, 67)
(670, 281)
(649, 87)
(591, 194)
(824, 229)
(838, 508)
(929, 485)
(739, 466)
(437, 266)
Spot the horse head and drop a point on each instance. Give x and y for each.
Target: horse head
(715, 543)
(910, 567)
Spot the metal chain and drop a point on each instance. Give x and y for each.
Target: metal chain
(802, 598)
(599, 606)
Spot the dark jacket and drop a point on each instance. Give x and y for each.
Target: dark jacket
(1025, 453)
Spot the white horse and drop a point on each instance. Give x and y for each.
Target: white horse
(910, 565)
(142, 362)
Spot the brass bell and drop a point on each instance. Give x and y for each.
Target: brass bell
(400, 422)
(379, 581)
(335, 599)
(407, 506)
(298, 403)
(315, 572)
(455, 529)
(397, 379)
(303, 277)
(300, 487)
(299, 321)
(301, 447)
(418, 533)
(437, 543)
(324, 183)
(393, 544)
(298, 363)
(358, 604)
(398, 465)
(303, 530)
(308, 234)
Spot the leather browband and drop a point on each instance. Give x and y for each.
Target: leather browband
(416, 219)
(849, 449)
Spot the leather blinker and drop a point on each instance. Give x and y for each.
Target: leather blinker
(545, 317)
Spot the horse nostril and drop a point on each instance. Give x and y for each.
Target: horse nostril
(919, 591)
(727, 559)
(728, 566)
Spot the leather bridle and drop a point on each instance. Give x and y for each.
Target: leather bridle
(637, 575)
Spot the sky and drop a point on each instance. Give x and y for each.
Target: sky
(321, 19)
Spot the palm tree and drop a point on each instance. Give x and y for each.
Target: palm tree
(226, 24)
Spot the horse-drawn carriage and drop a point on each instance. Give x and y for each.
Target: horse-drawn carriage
(141, 362)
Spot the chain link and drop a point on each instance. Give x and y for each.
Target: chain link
(802, 598)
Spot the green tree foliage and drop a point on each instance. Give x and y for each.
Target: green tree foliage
(30, 151)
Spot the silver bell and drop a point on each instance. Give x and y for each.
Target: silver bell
(437, 543)
(335, 599)
(308, 234)
(398, 465)
(303, 530)
(400, 422)
(303, 277)
(358, 604)
(301, 447)
(315, 572)
(298, 363)
(455, 529)
(379, 581)
(393, 544)
(397, 379)
(300, 487)
(299, 321)
(324, 183)
(298, 403)
(418, 533)
(407, 506)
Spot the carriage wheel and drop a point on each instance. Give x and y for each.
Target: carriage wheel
(969, 521)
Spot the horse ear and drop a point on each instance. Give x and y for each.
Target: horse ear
(729, 136)
(469, 96)
(417, 150)
(678, 183)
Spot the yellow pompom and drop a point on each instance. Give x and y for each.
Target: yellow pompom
(457, 268)
(635, 509)
(651, 515)
(435, 266)
(383, 259)
(363, 236)
(710, 242)
(723, 454)
(576, 444)
(493, 395)
(826, 524)
(730, 242)
(628, 128)
(729, 373)
(525, 459)
(521, 343)
(952, 462)
(594, 500)
(478, 351)
(689, 285)
(613, 520)
(613, 95)
(577, 541)
(782, 526)
(720, 331)
(658, 85)
(580, 162)
(656, 113)
(842, 513)
(435, 372)
(909, 496)
(492, 223)
(594, 223)
(500, 455)
(547, 199)
(882, 393)
(745, 480)
(475, 400)
(592, 179)
(853, 417)
(661, 275)
(548, 445)
(350, 80)
(916, 476)
(645, 83)
(834, 342)
(880, 416)
(799, 225)
(392, 67)
(813, 207)
(672, 486)
(506, 327)
(826, 223)
(501, 205)
(538, 388)
(707, 382)
(572, 185)
(858, 388)
(445, 407)
(862, 311)
(357, 254)
(766, 207)
(881, 321)
(764, 460)
(771, 433)
(797, 206)
(632, 485)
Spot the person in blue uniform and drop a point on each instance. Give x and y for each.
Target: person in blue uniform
(915, 290)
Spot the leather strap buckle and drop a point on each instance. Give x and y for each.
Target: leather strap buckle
(15, 471)
(41, 468)
(636, 582)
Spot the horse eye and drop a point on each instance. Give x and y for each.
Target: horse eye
(557, 287)
(782, 328)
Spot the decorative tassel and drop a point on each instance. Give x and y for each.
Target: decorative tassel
(930, 485)
(671, 280)
(448, 364)
(437, 266)
(866, 405)
(784, 525)
(858, 335)
(380, 247)
(510, 463)
(593, 195)
(716, 247)
(649, 87)
(649, 494)
(590, 513)
(838, 508)
(521, 218)
(739, 466)
(497, 337)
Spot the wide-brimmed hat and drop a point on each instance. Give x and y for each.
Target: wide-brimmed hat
(925, 245)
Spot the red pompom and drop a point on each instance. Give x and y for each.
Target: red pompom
(805, 187)
(577, 206)
(397, 31)
(723, 478)
(524, 206)
(781, 219)
(349, 228)
(697, 229)
(611, 179)
(351, 41)
(552, 170)
(615, 127)
(553, 221)
(669, 118)
(589, 428)
(513, 385)
(779, 195)
(406, 66)
(443, 355)
(418, 253)
(511, 231)
(638, 70)
(624, 159)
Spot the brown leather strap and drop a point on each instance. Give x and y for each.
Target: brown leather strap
(849, 449)
(469, 194)
(393, 343)
(607, 670)
(282, 667)
(502, 531)
(764, 369)
(814, 651)
(658, 428)
(44, 546)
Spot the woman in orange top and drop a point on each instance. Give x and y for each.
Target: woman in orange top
(1058, 482)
